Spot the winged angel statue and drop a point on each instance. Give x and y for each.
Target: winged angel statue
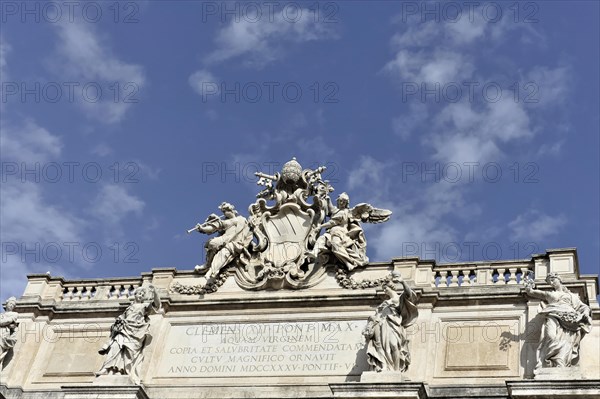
(280, 243)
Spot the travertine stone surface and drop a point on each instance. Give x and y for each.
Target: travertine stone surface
(556, 389)
(382, 376)
(475, 329)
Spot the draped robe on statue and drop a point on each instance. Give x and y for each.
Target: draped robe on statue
(387, 348)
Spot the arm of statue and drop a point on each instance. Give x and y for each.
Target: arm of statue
(336, 220)
(207, 228)
(6, 321)
(156, 300)
(152, 301)
(537, 293)
(212, 225)
(408, 292)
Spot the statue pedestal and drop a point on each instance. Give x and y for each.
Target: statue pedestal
(557, 373)
(113, 380)
(382, 376)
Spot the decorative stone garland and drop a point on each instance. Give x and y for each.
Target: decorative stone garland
(346, 281)
(199, 289)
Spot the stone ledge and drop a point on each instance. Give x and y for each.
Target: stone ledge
(556, 389)
(468, 391)
(104, 392)
(408, 390)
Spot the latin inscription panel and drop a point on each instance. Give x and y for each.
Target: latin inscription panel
(264, 349)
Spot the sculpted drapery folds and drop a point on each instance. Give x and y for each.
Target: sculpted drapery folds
(8, 329)
(231, 244)
(344, 236)
(129, 335)
(387, 342)
(567, 320)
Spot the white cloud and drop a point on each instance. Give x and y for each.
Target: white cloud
(85, 58)
(369, 173)
(423, 216)
(30, 226)
(472, 129)
(28, 143)
(547, 86)
(204, 82)
(536, 226)
(113, 204)
(27, 216)
(102, 150)
(440, 66)
(404, 126)
(261, 42)
(462, 133)
(466, 30)
(133, 170)
(551, 149)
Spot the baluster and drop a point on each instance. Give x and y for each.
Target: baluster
(434, 275)
(123, 292)
(466, 282)
(524, 272)
(495, 276)
(453, 278)
(512, 276)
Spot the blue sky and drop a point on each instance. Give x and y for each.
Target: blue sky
(124, 124)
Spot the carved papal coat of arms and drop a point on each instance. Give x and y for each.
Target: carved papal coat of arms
(292, 235)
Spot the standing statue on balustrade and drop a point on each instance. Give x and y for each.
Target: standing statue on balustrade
(387, 343)
(567, 320)
(8, 329)
(128, 336)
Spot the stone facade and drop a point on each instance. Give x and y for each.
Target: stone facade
(475, 336)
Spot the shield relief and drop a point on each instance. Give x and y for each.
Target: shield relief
(287, 232)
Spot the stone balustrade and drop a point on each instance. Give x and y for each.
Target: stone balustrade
(91, 290)
(60, 290)
(465, 275)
